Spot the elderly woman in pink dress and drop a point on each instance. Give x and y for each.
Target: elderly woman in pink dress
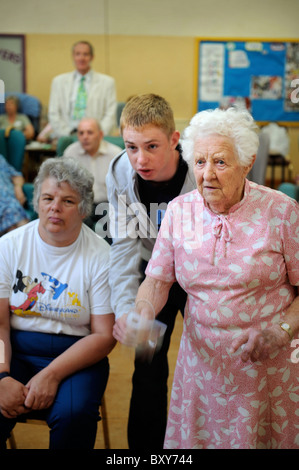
(234, 247)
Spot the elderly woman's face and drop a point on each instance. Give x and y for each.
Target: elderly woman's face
(59, 218)
(219, 176)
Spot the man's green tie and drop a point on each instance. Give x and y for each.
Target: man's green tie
(81, 101)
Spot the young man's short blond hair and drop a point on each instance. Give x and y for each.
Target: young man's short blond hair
(148, 109)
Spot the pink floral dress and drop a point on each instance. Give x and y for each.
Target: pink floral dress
(239, 270)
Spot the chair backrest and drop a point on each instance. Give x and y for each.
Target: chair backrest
(13, 147)
(29, 105)
(289, 189)
(116, 140)
(63, 142)
(257, 173)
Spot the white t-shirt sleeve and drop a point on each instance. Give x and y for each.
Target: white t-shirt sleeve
(99, 293)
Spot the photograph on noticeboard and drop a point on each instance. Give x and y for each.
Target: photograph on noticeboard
(291, 101)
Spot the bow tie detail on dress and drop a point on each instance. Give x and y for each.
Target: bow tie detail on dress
(221, 228)
(222, 233)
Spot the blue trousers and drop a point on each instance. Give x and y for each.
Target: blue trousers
(74, 415)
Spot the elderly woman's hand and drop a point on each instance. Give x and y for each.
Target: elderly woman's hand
(133, 329)
(259, 344)
(130, 329)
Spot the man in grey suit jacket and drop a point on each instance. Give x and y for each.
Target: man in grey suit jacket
(100, 89)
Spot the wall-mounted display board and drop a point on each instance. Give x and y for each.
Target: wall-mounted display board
(12, 62)
(263, 74)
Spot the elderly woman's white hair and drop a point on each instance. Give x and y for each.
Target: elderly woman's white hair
(237, 124)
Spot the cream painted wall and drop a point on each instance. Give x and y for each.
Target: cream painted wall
(139, 64)
(146, 46)
(257, 18)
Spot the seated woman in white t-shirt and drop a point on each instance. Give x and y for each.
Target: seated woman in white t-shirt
(55, 314)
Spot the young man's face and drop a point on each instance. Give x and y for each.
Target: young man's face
(151, 152)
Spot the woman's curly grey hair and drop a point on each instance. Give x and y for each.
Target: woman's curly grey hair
(70, 171)
(237, 124)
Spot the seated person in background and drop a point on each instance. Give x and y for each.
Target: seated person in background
(81, 93)
(12, 198)
(95, 154)
(13, 120)
(55, 314)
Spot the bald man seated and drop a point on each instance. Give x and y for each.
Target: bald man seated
(95, 154)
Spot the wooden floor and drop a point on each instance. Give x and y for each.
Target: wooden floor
(118, 393)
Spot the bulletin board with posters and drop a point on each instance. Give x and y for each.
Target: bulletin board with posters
(12, 63)
(263, 75)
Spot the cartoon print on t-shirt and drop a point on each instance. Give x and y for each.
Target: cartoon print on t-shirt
(30, 287)
(74, 299)
(49, 290)
(53, 285)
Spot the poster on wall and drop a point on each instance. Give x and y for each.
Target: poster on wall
(263, 76)
(12, 64)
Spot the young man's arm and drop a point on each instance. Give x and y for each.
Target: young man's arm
(124, 272)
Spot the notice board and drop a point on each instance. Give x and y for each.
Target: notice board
(262, 74)
(12, 64)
